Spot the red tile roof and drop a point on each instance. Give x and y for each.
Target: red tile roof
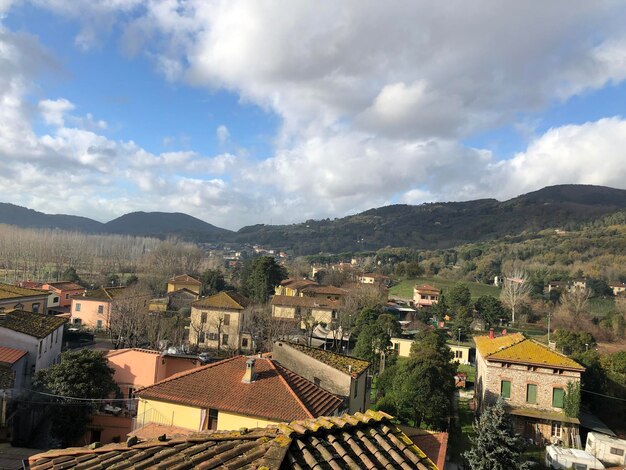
(427, 288)
(276, 394)
(364, 440)
(10, 355)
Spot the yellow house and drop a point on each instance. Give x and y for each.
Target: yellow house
(235, 393)
(293, 287)
(462, 354)
(184, 281)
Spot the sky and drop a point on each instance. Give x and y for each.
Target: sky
(244, 112)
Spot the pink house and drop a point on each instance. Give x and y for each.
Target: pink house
(65, 291)
(136, 368)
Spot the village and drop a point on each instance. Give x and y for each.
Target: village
(316, 363)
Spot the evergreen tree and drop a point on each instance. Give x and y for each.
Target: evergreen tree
(490, 310)
(260, 277)
(496, 446)
(212, 281)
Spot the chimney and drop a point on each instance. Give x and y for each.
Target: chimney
(504, 332)
(248, 377)
(492, 335)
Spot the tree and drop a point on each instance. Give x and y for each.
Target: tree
(80, 374)
(571, 401)
(374, 336)
(575, 301)
(70, 275)
(571, 342)
(515, 289)
(490, 310)
(496, 446)
(212, 281)
(129, 317)
(599, 288)
(261, 278)
(459, 297)
(420, 389)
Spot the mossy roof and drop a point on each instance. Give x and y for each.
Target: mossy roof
(32, 324)
(338, 361)
(8, 291)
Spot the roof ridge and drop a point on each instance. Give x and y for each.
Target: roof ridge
(188, 372)
(282, 378)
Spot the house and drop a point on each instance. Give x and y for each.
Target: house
(137, 368)
(64, 290)
(184, 281)
(324, 292)
(92, 309)
(235, 393)
(618, 288)
(16, 361)
(533, 380)
(218, 322)
(462, 354)
(425, 295)
(363, 440)
(608, 449)
(293, 287)
(342, 375)
(20, 298)
(40, 335)
(181, 298)
(299, 309)
(373, 278)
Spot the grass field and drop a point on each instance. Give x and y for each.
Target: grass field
(405, 288)
(601, 307)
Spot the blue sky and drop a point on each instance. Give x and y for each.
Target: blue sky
(242, 112)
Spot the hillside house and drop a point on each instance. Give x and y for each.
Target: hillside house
(533, 380)
(184, 281)
(304, 309)
(619, 288)
(20, 298)
(342, 375)
(219, 321)
(425, 295)
(463, 354)
(293, 287)
(235, 393)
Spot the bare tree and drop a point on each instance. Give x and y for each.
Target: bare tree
(515, 289)
(575, 301)
(129, 316)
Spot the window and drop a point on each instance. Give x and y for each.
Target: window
(99, 324)
(558, 397)
(213, 336)
(203, 318)
(55, 300)
(35, 307)
(505, 389)
(201, 337)
(244, 343)
(333, 315)
(224, 339)
(317, 381)
(40, 346)
(100, 309)
(531, 393)
(458, 354)
(616, 451)
(131, 392)
(227, 319)
(77, 307)
(213, 415)
(396, 347)
(67, 296)
(556, 429)
(356, 389)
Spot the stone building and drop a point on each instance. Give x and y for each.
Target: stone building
(533, 379)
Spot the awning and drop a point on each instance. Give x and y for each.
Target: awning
(542, 414)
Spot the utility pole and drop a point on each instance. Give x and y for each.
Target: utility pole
(549, 317)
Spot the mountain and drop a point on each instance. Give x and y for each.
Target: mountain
(159, 224)
(427, 226)
(442, 225)
(23, 217)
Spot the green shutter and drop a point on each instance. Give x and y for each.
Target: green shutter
(558, 397)
(505, 389)
(531, 393)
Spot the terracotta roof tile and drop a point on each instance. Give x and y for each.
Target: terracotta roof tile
(277, 393)
(346, 364)
(227, 300)
(32, 324)
(10, 355)
(368, 440)
(65, 285)
(427, 288)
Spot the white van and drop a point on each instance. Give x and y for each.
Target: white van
(561, 457)
(609, 449)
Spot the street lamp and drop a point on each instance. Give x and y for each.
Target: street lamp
(459, 341)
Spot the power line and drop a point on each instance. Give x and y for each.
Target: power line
(602, 395)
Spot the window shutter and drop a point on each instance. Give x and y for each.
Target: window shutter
(531, 393)
(505, 389)
(558, 397)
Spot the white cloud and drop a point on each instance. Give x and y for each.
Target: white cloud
(223, 135)
(53, 111)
